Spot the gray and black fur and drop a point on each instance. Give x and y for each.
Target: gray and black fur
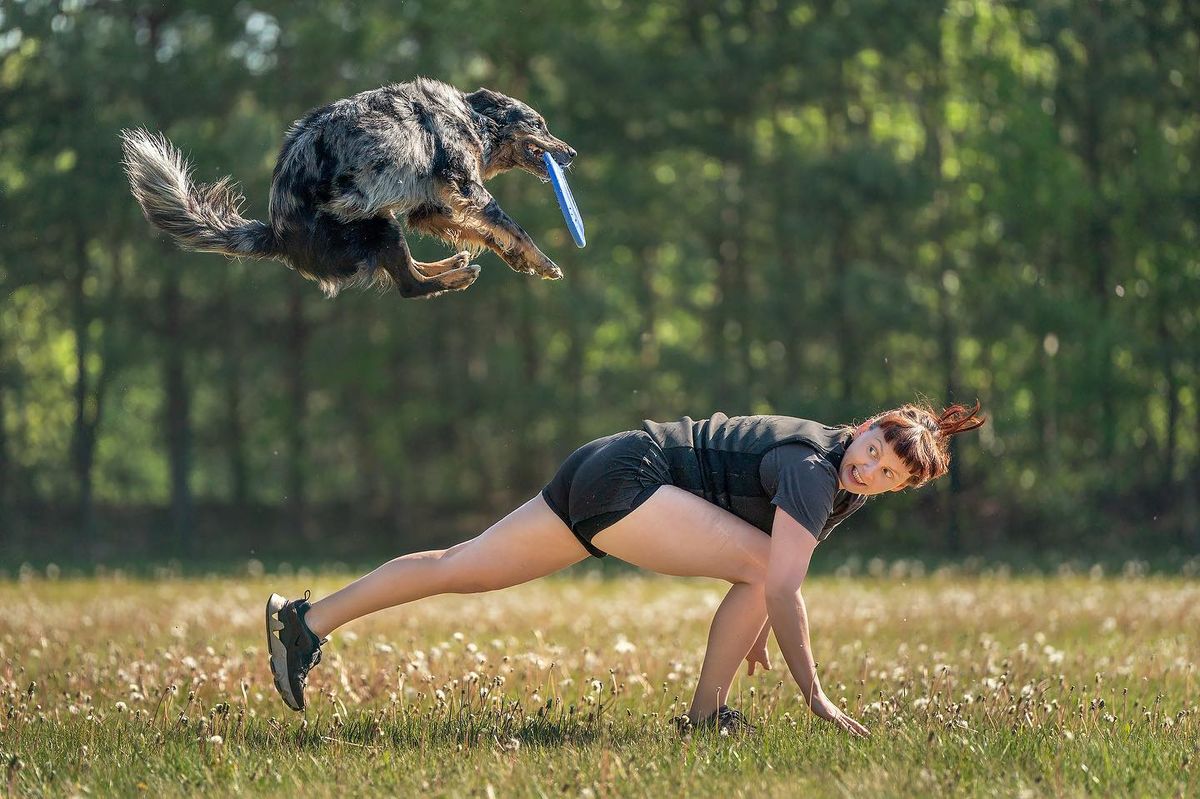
(350, 173)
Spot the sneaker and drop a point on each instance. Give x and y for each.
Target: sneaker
(731, 722)
(725, 720)
(294, 648)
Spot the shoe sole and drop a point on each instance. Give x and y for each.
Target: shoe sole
(279, 652)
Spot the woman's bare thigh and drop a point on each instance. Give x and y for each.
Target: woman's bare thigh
(675, 532)
(528, 543)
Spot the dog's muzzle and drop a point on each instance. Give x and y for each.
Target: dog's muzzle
(561, 155)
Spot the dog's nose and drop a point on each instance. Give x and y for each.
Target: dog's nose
(571, 152)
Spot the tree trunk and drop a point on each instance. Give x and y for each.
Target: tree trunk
(1190, 529)
(83, 445)
(527, 470)
(394, 477)
(727, 328)
(178, 412)
(234, 429)
(1098, 233)
(1167, 349)
(7, 492)
(937, 139)
(646, 344)
(841, 255)
(948, 340)
(297, 381)
(573, 368)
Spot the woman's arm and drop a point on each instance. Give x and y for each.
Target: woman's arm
(791, 550)
(758, 654)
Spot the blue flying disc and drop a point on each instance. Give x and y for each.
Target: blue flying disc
(566, 202)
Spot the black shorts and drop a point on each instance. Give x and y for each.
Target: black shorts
(604, 481)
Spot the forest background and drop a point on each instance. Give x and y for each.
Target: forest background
(820, 209)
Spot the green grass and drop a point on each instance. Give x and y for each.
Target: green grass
(991, 686)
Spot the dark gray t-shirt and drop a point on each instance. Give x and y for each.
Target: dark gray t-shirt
(720, 459)
(805, 486)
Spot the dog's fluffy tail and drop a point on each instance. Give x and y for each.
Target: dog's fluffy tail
(203, 217)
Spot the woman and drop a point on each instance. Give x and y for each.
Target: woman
(689, 498)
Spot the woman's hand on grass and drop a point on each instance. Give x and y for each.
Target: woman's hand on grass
(824, 707)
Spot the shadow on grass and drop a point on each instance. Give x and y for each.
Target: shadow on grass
(469, 729)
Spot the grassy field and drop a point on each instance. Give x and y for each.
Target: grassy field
(989, 686)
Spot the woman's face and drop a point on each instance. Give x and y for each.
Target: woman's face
(870, 465)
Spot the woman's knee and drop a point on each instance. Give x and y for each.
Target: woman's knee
(750, 568)
(463, 573)
(746, 554)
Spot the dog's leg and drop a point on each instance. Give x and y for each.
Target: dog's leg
(398, 262)
(456, 261)
(476, 213)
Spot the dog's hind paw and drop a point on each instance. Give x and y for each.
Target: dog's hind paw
(459, 279)
(435, 268)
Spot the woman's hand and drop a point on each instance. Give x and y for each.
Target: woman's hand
(824, 707)
(758, 656)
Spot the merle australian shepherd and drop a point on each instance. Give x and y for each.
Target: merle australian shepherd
(352, 175)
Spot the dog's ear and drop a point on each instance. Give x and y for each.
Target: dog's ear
(492, 105)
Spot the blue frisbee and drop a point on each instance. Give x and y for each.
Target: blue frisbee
(566, 202)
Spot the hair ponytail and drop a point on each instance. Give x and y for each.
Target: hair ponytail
(959, 419)
(921, 437)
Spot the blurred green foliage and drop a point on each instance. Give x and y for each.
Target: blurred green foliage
(815, 208)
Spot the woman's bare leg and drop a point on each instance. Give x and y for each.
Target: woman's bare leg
(675, 532)
(735, 628)
(528, 543)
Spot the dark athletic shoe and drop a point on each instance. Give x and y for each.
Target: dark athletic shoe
(293, 647)
(725, 721)
(731, 722)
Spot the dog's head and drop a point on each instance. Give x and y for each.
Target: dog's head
(521, 135)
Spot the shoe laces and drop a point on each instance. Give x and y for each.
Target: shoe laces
(731, 720)
(315, 657)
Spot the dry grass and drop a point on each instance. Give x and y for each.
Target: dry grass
(971, 686)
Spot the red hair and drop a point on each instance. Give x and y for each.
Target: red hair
(921, 437)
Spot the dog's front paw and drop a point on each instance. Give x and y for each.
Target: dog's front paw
(547, 269)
